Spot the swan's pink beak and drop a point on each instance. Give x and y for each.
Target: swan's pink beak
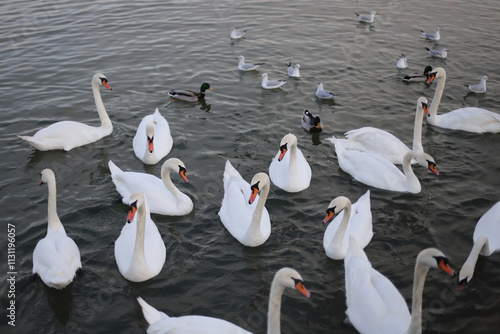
(151, 146)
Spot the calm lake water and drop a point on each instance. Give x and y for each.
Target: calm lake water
(49, 52)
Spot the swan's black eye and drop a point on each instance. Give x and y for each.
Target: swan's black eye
(182, 170)
(283, 147)
(104, 80)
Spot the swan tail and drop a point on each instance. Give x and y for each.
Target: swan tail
(113, 168)
(30, 140)
(151, 314)
(338, 146)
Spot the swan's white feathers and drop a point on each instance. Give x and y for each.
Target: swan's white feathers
(489, 225)
(162, 141)
(236, 213)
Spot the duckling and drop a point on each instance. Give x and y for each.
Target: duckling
(189, 95)
(311, 122)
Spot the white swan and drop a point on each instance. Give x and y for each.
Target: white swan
(152, 141)
(139, 250)
(67, 135)
(159, 322)
(375, 171)
(290, 172)
(486, 241)
(162, 195)
(374, 305)
(351, 220)
(56, 257)
(469, 119)
(385, 144)
(249, 224)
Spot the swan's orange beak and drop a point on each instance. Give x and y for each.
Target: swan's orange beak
(255, 190)
(425, 107)
(131, 212)
(432, 76)
(299, 285)
(445, 266)
(283, 150)
(433, 168)
(151, 146)
(329, 215)
(182, 173)
(106, 84)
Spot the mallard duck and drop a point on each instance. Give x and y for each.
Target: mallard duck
(417, 77)
(189, 95)
(311, 122)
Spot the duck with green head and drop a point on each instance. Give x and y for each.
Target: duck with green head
(189, 95)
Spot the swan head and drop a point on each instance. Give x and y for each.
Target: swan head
(437, 73)
(290, 278)
(136, 200)
(424, 160)
(259, 181)
(174, 164)
(100, 79)
(335, 207)
(285, 144)
(150, 134)
(422, 104)
(204, 87)
(434, 258)
(465, 275)
(47, 175)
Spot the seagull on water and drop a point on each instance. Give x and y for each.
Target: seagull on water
(367, 18)
(438, 53)
(480, 87)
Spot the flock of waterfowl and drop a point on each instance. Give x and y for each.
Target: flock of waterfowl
(369, 154)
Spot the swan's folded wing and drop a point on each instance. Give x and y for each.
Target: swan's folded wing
(489, 225)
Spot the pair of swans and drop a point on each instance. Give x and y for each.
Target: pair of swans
(384, 143)
(163, 196)
(67, 135)
(56, 257)
(350, 221)
(152, 141)
(486, 241)
(139, 250)
(374, 305)
(247, 222)
(469, 119)
(289, 169)
(376, 171)
(159, 322)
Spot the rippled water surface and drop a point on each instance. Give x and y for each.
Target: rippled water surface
(49, 52)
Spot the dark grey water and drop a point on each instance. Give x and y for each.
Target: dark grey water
(49, 52)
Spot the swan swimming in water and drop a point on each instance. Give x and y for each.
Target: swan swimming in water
(66, 135)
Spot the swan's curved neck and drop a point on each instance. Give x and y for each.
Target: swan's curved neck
(167, 181)
(53, 219)
(274, 310)
(254, 228)
(103, 115)
(437, 95)
(339, 235)
(476, 250)
(139, 258)
(293, 156)
(417, 130)
(416, 304)
(412, 182)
